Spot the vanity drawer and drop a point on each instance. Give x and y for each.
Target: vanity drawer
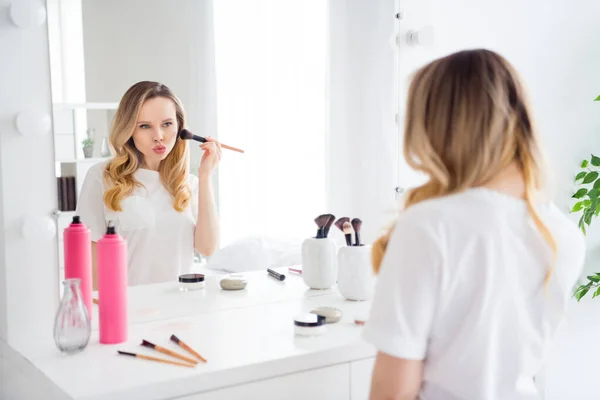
(323, 383)
(360, 378)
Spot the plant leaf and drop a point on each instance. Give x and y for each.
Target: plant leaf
(597, 184)
(580, 193)
(587, 203)
(581, 293)
(584, 164)
(591, 177)
(595, 161)
(594, 194)
(597, 98)
(578, 206)
(597, 292)
(594, 278)
(580, 175)
(588, 214)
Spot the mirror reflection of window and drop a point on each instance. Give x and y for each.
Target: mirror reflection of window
(271, 77)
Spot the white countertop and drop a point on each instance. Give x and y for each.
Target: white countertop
(245, 336)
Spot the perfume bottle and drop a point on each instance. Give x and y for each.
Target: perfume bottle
(72, 325)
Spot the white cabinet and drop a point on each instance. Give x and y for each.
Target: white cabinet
(330, 383)
(360, 378)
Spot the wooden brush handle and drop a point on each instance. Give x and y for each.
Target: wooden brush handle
(175, 354)
(162, 360)
(231, 148)
(192, 351)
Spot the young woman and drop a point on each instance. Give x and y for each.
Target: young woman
(161, 210)
(475, 275)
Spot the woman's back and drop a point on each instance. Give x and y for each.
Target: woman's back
(462, 285)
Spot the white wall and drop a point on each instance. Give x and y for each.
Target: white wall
(27, 187)
(130, 41)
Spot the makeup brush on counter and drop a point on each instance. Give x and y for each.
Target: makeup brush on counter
(187, 135)
(168, 352)
(347, 229)
(356, 225)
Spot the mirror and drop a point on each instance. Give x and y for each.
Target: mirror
(253, 74)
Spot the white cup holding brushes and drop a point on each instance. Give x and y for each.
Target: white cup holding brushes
(355, 278)
(319, 256)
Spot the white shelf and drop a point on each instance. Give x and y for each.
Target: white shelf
(88, 106)
(83, 160)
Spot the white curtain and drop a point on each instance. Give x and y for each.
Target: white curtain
(271, 74)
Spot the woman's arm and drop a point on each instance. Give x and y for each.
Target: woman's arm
(208, 231)
(396, 378)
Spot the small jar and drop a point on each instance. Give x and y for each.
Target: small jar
(191, 282)
(309, 325)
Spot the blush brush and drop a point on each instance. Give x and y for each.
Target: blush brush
(347, 229)
(187, 135)
(340, 223)
(328, 225)
(356, 225)
(321, 221)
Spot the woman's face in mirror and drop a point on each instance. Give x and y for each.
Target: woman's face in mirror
(156, 130)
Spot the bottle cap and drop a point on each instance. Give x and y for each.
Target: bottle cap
(76, 219)
(110, 230)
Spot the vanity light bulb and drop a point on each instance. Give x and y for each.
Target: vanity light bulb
(27, 13)
(38, 228)
(33, 123)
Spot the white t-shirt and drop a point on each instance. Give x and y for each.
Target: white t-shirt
(461, 287)
(160, 240)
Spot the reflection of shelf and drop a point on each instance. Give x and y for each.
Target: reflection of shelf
(83, 160)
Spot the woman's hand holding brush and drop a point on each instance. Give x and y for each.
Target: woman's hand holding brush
(210, 158)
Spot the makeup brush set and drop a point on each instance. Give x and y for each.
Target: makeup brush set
(344, 224)
(185, 361)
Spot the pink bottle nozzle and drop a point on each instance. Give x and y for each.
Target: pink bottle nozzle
(76, 219)
(110, 230)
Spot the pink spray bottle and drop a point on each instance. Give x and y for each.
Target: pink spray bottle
(78, 258)
(111, 250)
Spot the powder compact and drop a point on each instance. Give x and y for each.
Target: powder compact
(331, 314)
(309, 325)
(233, 282)
(191, 282)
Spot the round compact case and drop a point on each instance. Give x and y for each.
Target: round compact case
(309, 325)
(331, 314)
(233, 282)
(191, 282)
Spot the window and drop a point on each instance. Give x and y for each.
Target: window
(271, 77)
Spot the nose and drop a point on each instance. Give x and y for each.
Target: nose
(158, 137)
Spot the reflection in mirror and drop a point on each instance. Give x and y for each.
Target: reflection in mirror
(252, 74)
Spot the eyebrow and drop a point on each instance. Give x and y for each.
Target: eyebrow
(146, 122)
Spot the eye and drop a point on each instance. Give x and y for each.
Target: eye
(144, 126)
(168, 123)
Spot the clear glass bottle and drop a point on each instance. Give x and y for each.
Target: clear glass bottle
(72, 325)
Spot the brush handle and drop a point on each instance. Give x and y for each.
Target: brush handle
(357, 238)
(203, 140)
(348, 239)
(174, 354)
(192, 351)
(162, 360)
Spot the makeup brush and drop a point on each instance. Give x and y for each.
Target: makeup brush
(187, 348)
(340, 223)
(321, 221)
(187, 135)
(162, 360)
(328, 225)
(347, 229)
(168, 352)
(356, 225)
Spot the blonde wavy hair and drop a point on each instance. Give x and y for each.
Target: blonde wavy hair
(119, 172)
(467, 118)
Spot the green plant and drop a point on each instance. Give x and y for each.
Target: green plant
(593, 284)
(588, 195)
(88, 142)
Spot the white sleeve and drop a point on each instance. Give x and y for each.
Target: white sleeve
(90, 204)
(405, 298)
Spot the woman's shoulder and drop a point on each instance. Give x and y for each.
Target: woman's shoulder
(97, 170)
